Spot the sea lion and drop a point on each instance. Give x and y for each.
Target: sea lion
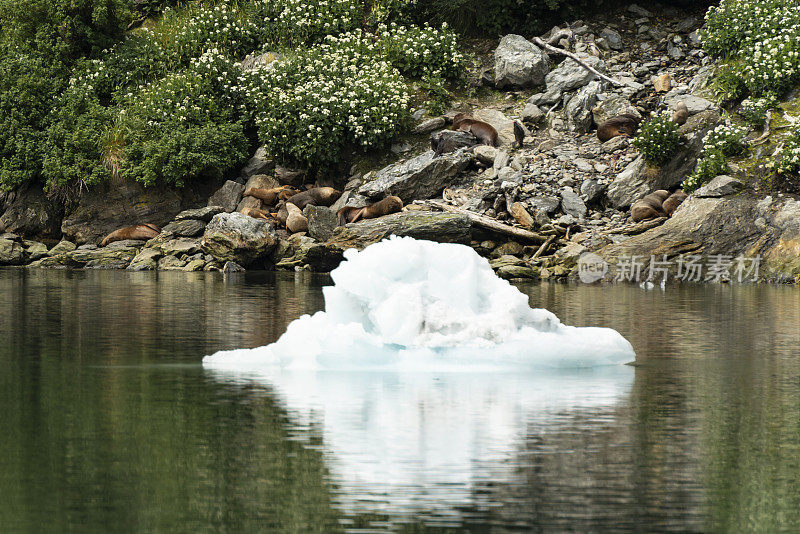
(317, 196)
(625, 124)
(673, 201)
(388, 205)
(271, 196)
(650, 207)
(141, 232)
(681, 114)
(257, 214)
(519, 133)
(484, 131)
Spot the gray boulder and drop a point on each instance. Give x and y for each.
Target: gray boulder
(578, 112)
(501, 123)
(12, 252)
(145, 260)
(611, 107)
(430, 125)
(322, 222)
(571, 203)
(185, 228)
(519, 63)
(721, 186)
(239, 238)
(448, 141)
(201, 214)
(613, 38)
(228, 196)
(570, 75)
(28, 212)
(260, 163)
(424, 176)
(546, 205)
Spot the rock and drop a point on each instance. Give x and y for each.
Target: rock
(171, 263)
(531, 113)
(185, 228)
(422, 177)
(592, 190)
(500, 122)
(687, 24)
(449, 141)
(260, 163)
(695, 40)
(232, 267)
(663, 83)
(509, 248)
(500, 160)
(31, 214)
(178, 247)
(228, 196)
(612, 107)
(303, 251)
(546, 205)
(125, 243)
(263, 181)
(578, 111)
(194, 266)
(505, 260)
(62, 247)
(674, 51)
(694, 104)
(34, 250)
(545, 99)
(571, 203)
(201, 214)
(237, 237)
(102, 258)
(349, 198)
(509, 272)
(519, 63)
(616, 143)
(521, 215)
(485, 154)
(570, 75)
(721, 186)
(295, 220)
(613, 38)
(640, 11)
(289, 176)
(439, 227)
(257, 62)
(430, 125)
(145, 260)
(11, 252)
(322, 222)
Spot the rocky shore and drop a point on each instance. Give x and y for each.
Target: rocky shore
(532, 210)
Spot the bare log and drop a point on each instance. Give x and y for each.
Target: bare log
(487, 222)
(543, 248)
(550, 48)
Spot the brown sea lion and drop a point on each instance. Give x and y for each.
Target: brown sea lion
(141, 232)
(681, 114)
(650, 207)
(257, 214)
(318, 196)
(386, 206)
(271, 196)
(282, 214)
(484, 131)
(674, 200)
(625, 124)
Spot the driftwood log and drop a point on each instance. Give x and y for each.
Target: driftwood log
(487, 222)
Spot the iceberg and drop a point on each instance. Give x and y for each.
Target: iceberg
(408, 305)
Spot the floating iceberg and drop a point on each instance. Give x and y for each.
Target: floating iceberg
(410, 305)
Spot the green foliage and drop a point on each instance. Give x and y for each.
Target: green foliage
(719, 144)
(764, 35)
(729, 84)
(754, 110)
(657, 140)
(789, 155)
(426, 51)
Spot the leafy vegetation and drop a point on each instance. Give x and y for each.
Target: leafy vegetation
(657, 140)
(719, 144)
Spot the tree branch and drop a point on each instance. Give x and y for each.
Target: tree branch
(550, 48)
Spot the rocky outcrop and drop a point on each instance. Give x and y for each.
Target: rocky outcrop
(439, 227)
(519, 63)
(569, 75)
(28, 212)
(228, 196)
(422, 177)
(721, 186)
(239, 238)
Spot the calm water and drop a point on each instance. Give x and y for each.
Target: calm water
(110, 424)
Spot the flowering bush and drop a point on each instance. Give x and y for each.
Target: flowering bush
(419, 52)
(718, 145)
(754, 110)
(657, 140)
(789, 155)
(339, 93)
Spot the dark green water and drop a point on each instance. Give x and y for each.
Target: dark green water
(109, 423)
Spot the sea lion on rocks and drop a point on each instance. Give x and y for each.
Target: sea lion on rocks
(484, 131)
(257, 214)
(317, 196)
(681, 114)
(625, 124)
(388, 205)
(271, 196)
(141, 232)
(673, 201)
(650, 207)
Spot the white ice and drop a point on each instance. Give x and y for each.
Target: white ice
(408, 305)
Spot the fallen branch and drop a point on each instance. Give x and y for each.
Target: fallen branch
(541, 44)
(487, 222)
(764, 137)
(543, 247)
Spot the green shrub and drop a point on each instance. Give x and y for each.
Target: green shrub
(729, 83)
(657, 140)
(418, 52)
(754, 110)
(718, 145)
(789, 156)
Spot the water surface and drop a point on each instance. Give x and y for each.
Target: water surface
(110, 423)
